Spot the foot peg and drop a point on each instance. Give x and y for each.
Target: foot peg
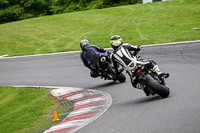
(164, 75)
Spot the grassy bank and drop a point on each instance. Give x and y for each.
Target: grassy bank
(151, 23)
(25, 110)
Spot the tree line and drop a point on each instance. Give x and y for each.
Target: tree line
(13, 10)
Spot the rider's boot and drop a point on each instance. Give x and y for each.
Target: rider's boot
(160, 73)
(106, 76)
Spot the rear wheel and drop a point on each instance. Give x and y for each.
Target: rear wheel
(121, 78)
(159, 89)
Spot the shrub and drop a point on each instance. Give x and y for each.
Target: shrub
(12, 10)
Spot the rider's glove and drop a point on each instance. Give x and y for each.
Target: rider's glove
(138, 48)
(120, 70)
(108, 52)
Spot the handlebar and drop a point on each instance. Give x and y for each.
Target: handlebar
(137, 51)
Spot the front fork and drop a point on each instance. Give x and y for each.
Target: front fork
(137, 82)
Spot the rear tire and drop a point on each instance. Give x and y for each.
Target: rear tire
(159, 89)
(121, 78)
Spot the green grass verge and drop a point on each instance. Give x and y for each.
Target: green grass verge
(151, 23)
(25, 110)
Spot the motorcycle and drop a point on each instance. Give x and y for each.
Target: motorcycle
(147, 79)
(107, 71)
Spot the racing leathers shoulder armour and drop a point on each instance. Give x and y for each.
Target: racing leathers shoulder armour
(122, 55)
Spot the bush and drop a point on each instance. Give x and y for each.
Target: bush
(12, 10)
(11, 13)
(61, 6)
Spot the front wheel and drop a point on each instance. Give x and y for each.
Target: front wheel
(159, 89)
(121, 78)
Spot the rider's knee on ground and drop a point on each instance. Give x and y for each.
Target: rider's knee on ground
(94, 75)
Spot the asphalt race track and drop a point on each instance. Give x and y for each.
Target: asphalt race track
(131, 111)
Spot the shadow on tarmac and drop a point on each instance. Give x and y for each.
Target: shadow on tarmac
(103, 85)
(142, 100)
(147, 99)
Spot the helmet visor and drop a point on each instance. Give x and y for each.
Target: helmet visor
(116, 42)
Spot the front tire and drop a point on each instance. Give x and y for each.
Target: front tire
(159, 89)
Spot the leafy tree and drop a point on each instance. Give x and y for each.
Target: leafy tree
(12, 10)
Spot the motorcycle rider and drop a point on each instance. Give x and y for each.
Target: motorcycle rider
(90, 55)
(122, 56)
